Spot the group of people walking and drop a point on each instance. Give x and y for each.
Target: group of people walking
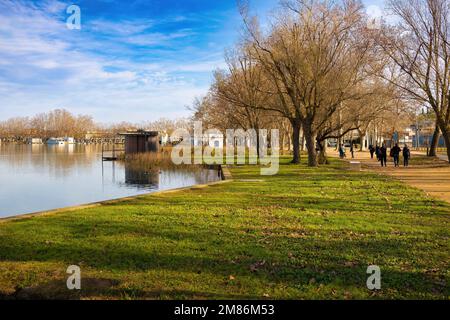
(342, 153)
(381, 154)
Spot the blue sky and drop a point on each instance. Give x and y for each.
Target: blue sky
(134, 60)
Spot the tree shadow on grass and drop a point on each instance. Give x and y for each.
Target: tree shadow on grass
(92, 288)
(325, 261)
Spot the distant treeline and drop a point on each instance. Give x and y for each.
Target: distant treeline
(56, 123)
(62, 123)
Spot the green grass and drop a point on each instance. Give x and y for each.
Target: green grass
(303, 234)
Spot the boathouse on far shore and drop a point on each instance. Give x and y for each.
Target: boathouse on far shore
(141, 141)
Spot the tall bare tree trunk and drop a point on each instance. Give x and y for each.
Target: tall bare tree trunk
(446, 135)
(258, 143)
(362, 137)
(434, 142)
(310, 145)
(296, 126)
(322, 157)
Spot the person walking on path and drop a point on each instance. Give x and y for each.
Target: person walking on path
(341, 152)
(395, 151)
(383, 155)
(372, 151)
(378, 152)
(352, 151)
(406, 156)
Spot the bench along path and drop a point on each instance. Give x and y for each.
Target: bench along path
(433, 179)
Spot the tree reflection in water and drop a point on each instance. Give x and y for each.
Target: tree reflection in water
(40, 177)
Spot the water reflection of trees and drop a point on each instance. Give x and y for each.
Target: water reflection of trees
(164, 178)
(63, 161)
(187, 176)
(54, 158)
(137, 177)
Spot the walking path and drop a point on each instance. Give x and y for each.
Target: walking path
(432, 177)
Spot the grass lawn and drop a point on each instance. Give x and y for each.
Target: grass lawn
(303, 234)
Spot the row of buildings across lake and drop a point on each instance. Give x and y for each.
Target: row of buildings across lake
(416, 136)
(51, 141)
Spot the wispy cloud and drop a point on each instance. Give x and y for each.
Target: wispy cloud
(128, 67)
(120, 28)
(132, 60)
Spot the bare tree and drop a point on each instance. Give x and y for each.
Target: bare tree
(244, 88)
(216, 113)
(58, 123)
(315, 55)
(419, 46)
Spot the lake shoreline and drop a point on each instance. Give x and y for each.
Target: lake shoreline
(226, 178)
(44, 178)
(106, 202)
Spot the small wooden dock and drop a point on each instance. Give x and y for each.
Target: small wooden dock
(110, 158)
(111, 155)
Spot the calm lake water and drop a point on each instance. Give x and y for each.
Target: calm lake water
(36, 178)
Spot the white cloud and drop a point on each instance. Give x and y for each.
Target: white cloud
(41, 68)
(374, 11)
(122, 28)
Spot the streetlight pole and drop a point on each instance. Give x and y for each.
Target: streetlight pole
(418, 135)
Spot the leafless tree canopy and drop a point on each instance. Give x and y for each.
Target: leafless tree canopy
(62, 123)
(418, 48)
(317, 65)
(56, 123)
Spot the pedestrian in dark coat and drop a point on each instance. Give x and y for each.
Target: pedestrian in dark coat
(406, 156)
(378, 152)
(396, 155)
(352, 151)
(383, 155)
(372, 151)
(341, 152)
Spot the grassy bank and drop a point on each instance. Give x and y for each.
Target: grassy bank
(306, 233)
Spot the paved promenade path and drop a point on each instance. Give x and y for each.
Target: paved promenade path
(432, 176)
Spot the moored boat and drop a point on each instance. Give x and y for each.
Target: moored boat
(55, 141)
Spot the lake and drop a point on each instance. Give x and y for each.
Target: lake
(36, 178)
